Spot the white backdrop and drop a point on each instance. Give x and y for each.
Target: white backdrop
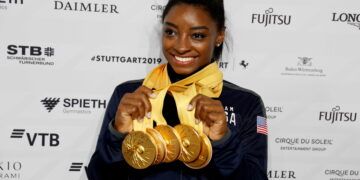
(60, 61)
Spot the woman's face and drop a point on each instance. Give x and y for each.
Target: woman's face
(189, 38)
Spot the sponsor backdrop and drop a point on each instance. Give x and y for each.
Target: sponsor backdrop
(61, 59)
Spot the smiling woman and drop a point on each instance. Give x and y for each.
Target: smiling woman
(173, 124)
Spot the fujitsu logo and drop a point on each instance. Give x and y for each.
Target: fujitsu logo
(268, 18)
(50, 103)
(335, 115)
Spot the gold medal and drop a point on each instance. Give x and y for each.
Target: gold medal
(205, 154)
(160, 144)
(139, 149)
(190, 143)
(172, 142)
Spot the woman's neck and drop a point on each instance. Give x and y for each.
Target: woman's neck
(174, 77)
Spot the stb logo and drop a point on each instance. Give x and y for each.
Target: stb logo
(30, 50)
(76, 166)
(304, 61)
(50, 103)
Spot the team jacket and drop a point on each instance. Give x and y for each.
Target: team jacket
(241, 154)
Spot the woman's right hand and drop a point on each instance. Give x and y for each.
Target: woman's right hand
(133, 106)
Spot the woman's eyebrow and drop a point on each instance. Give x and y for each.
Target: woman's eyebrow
(192, 28)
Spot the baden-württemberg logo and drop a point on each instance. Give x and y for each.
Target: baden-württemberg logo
(74, 105)
(270, 18)
(86, 7)
(352, 19)
(30, 54)
(4, 4)
(10, 169)
(304, 67)
(337, 116)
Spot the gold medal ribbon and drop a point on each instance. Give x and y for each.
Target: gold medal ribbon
(208, 81)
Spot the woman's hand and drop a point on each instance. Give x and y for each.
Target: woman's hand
(211, 113)
(133, 106)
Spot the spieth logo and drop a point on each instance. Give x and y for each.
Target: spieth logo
(124, 59)
(350, 18)
(10, 169)
(34, 55)
(50, 103)
(74, 105)
(86, 7)
(270, 19)
(281, 174)
(46, 139)
(336, 116)
(4, 3)
(76, 166)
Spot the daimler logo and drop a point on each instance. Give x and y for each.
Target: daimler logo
(335, 115)
(281, 174)
(86, 7)
(349, 18)
(269, 18)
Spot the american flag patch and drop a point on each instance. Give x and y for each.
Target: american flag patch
(261, 125)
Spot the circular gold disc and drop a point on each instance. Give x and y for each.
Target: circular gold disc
(190, 143)
(139, 149)
(172, 141)
(160, 144)
(205, 154)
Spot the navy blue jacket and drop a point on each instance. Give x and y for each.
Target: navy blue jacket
(241, 154)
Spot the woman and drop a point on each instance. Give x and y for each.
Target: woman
(193, 35)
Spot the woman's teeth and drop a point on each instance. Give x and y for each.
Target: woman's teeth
(183, 59)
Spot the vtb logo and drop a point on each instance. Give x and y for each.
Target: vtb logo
(76, 166)
(37, 139)
(30, 50)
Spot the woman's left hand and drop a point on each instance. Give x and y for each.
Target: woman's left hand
(211, 113)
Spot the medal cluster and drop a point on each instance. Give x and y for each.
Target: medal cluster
(164, 144)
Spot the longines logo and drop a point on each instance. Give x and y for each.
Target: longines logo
(335, 115)
(4, 3)
(33, 55)
(268, 18)
(281, 174)
(304, 67)
(37, 138)
(74, 105)
(76, 166)
(352, 19)
(86, 7)
(304, 144)
(10, 169)
(124, 59)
